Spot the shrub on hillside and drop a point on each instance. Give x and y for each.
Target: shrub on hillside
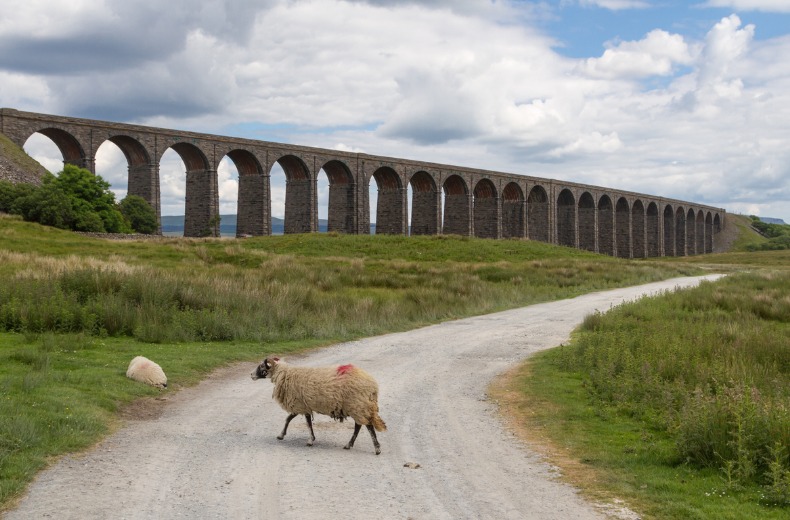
(140, 214)
(778, 236)
(75, 199)
(11, 192)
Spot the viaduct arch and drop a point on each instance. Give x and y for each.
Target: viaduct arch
(445, 199)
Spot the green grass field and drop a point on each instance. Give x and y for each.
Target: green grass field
(74, 311)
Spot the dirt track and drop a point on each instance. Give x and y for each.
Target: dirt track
(212, 452)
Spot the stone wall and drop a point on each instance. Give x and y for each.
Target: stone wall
(485, 217)
(456, 215)
(341, 208)
(424, 213)
(298, 207)
(389, 212)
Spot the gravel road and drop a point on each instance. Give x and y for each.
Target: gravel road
(211, 451)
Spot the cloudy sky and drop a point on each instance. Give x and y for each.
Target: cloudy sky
(683, 99)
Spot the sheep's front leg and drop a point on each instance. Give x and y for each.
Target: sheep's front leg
(285, 428)
(350, 444)
(375, 440)
(310, 425)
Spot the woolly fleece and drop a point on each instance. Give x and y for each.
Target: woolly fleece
(338, 392)
(144, 370)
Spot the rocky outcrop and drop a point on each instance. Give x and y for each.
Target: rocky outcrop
(17, 166)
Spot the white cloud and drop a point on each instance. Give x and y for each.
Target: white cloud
(452, 83)
(228, 183)
(592, 143)
(172, 183)
(434, 107)
(615, 5)
(771, 6)
(39, 19)
(657, 54)
(112, 167)
(45, 152)
(724, 44)
(196, 80)
(726, 47)
(24, 92)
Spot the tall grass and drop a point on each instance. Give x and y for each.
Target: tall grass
(219, 292)
(710, 366)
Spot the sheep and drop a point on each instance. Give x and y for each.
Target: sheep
(339, 392)
(146, 371)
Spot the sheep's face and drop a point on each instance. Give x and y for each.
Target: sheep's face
(262, 370)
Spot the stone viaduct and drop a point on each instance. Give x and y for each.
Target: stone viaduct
(445, 199)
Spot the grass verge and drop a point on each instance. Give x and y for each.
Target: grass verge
(677, 404)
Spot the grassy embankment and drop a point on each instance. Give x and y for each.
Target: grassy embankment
(679, 405)
(75, 310)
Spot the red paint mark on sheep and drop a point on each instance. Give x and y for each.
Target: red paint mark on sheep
(344, 369)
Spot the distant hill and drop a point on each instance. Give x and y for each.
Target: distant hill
(769, 220)
(174, 225)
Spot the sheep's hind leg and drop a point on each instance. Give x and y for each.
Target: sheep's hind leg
(375, 440)
(285, 428)
(310, 425)
(350, 444)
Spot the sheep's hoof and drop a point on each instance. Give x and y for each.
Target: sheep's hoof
(378, 451)
(347, 447)
(280, 437)
(309, 443)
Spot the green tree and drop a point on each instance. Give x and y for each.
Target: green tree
(139, 214)
(75, 199)
(11, 192)
(81, 184)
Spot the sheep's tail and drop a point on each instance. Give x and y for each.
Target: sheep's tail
(378, 423)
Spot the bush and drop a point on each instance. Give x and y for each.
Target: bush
(75, 199)
(47, 205)
(140, 214)
(10, 193)
(80, 184)
(778, 236)
(778, 243)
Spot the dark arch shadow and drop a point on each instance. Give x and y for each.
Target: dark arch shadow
(538, 214)
(390, 219)
(455, 220)
(484, 209)
(586, 212)
(424, 205)
(566, 219)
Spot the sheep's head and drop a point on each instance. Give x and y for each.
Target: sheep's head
(262, 370)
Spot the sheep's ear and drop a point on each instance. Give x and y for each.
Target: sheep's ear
(276, 360)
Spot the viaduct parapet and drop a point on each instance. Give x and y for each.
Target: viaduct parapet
(445, 199)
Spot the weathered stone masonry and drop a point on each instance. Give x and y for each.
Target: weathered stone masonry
(445, 199)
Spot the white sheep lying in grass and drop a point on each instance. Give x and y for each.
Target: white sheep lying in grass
(146, 371)
(339, 392)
